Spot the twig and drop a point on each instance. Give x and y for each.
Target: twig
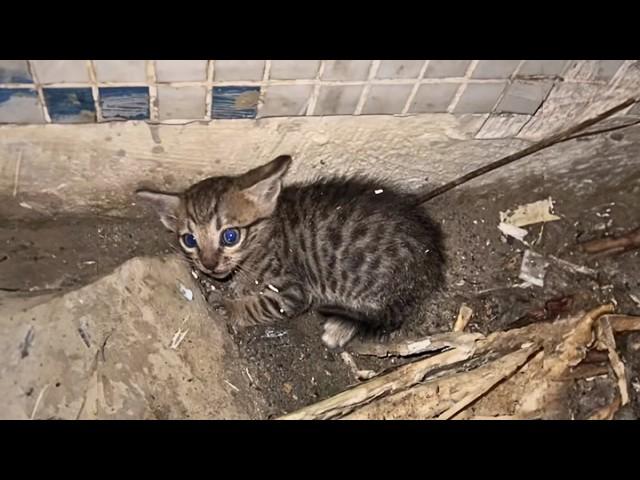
(397, 380)
(559, 137)
(607, 412)
(623, 323)
(432, 343)
(572, 267)
(351, 363)
(232, 385)
(607, 340)
(38, 400)
(500, 369)
(613, 245)
(464, 316)
(446, 395)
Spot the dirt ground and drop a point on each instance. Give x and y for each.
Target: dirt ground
(289, 365)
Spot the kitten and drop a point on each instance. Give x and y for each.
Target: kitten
(359, 252)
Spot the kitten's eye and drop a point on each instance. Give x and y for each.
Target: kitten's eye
(189, 240)
(230, 236)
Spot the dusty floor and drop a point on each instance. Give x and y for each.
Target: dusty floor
(290, 366)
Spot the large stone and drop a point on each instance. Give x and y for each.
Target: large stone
(105, 351)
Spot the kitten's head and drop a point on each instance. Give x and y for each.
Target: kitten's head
(219, 219)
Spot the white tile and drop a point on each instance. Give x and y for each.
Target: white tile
(490, 69)
(524, 97)
(346, 70)
(20, 106)
(479, 97)
(543, 67)
(294, 69)
(59, 71)
(338, 99)
(14, 71)
(386, 99)
(433, 97)
(121, 70)
(399, 69)
(446, 68)
(181, 103)
(286, 100)
(230, 70)
(181, 70)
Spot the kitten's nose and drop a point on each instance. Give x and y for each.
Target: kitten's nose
(209, 261)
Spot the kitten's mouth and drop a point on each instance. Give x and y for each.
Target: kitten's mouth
(221, 276)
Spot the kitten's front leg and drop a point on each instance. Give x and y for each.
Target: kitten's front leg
(271, 305)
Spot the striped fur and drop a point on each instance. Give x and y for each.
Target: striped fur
(357, 250)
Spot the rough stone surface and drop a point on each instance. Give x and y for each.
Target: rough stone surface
(104, 352)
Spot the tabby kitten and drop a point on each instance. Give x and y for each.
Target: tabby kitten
(359, 252)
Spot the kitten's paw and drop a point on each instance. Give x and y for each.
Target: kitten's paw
(337, 332)
(217, 302)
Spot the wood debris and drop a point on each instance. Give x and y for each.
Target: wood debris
(522, 373)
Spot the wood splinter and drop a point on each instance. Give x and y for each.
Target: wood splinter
(612, 245)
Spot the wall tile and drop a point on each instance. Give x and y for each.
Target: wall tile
(494, 69)
(524, 97)
(235, 102)
(181, 70)
(285, 100)
(121, 70)
(446, 68)
(399, 69)
(70, 105)
(181, 102)
(61, 71)
(294, 69)
(479, 97)
(433, 97)
(20, 105)
(127, 103)
(232, 70)
(338, 100)
(351, 70)
(386, 99)
(14, 71)
(543, 67)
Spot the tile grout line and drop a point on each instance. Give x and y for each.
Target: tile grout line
(373, 70)
(467, 76)
(414, 90)
(263, 86)
(258, 83)
(152, 84)
(39, 91)
(93, 81)
(208, 99)
(315, 94)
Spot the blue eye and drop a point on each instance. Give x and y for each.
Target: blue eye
(230, 236)
(189, 240)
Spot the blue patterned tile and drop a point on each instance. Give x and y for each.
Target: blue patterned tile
(235, 102)
(70, 105)
(20, 105)
(127, 103)
(14, 71)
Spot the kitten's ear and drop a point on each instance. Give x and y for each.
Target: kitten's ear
(165, 204)
(262, 185)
